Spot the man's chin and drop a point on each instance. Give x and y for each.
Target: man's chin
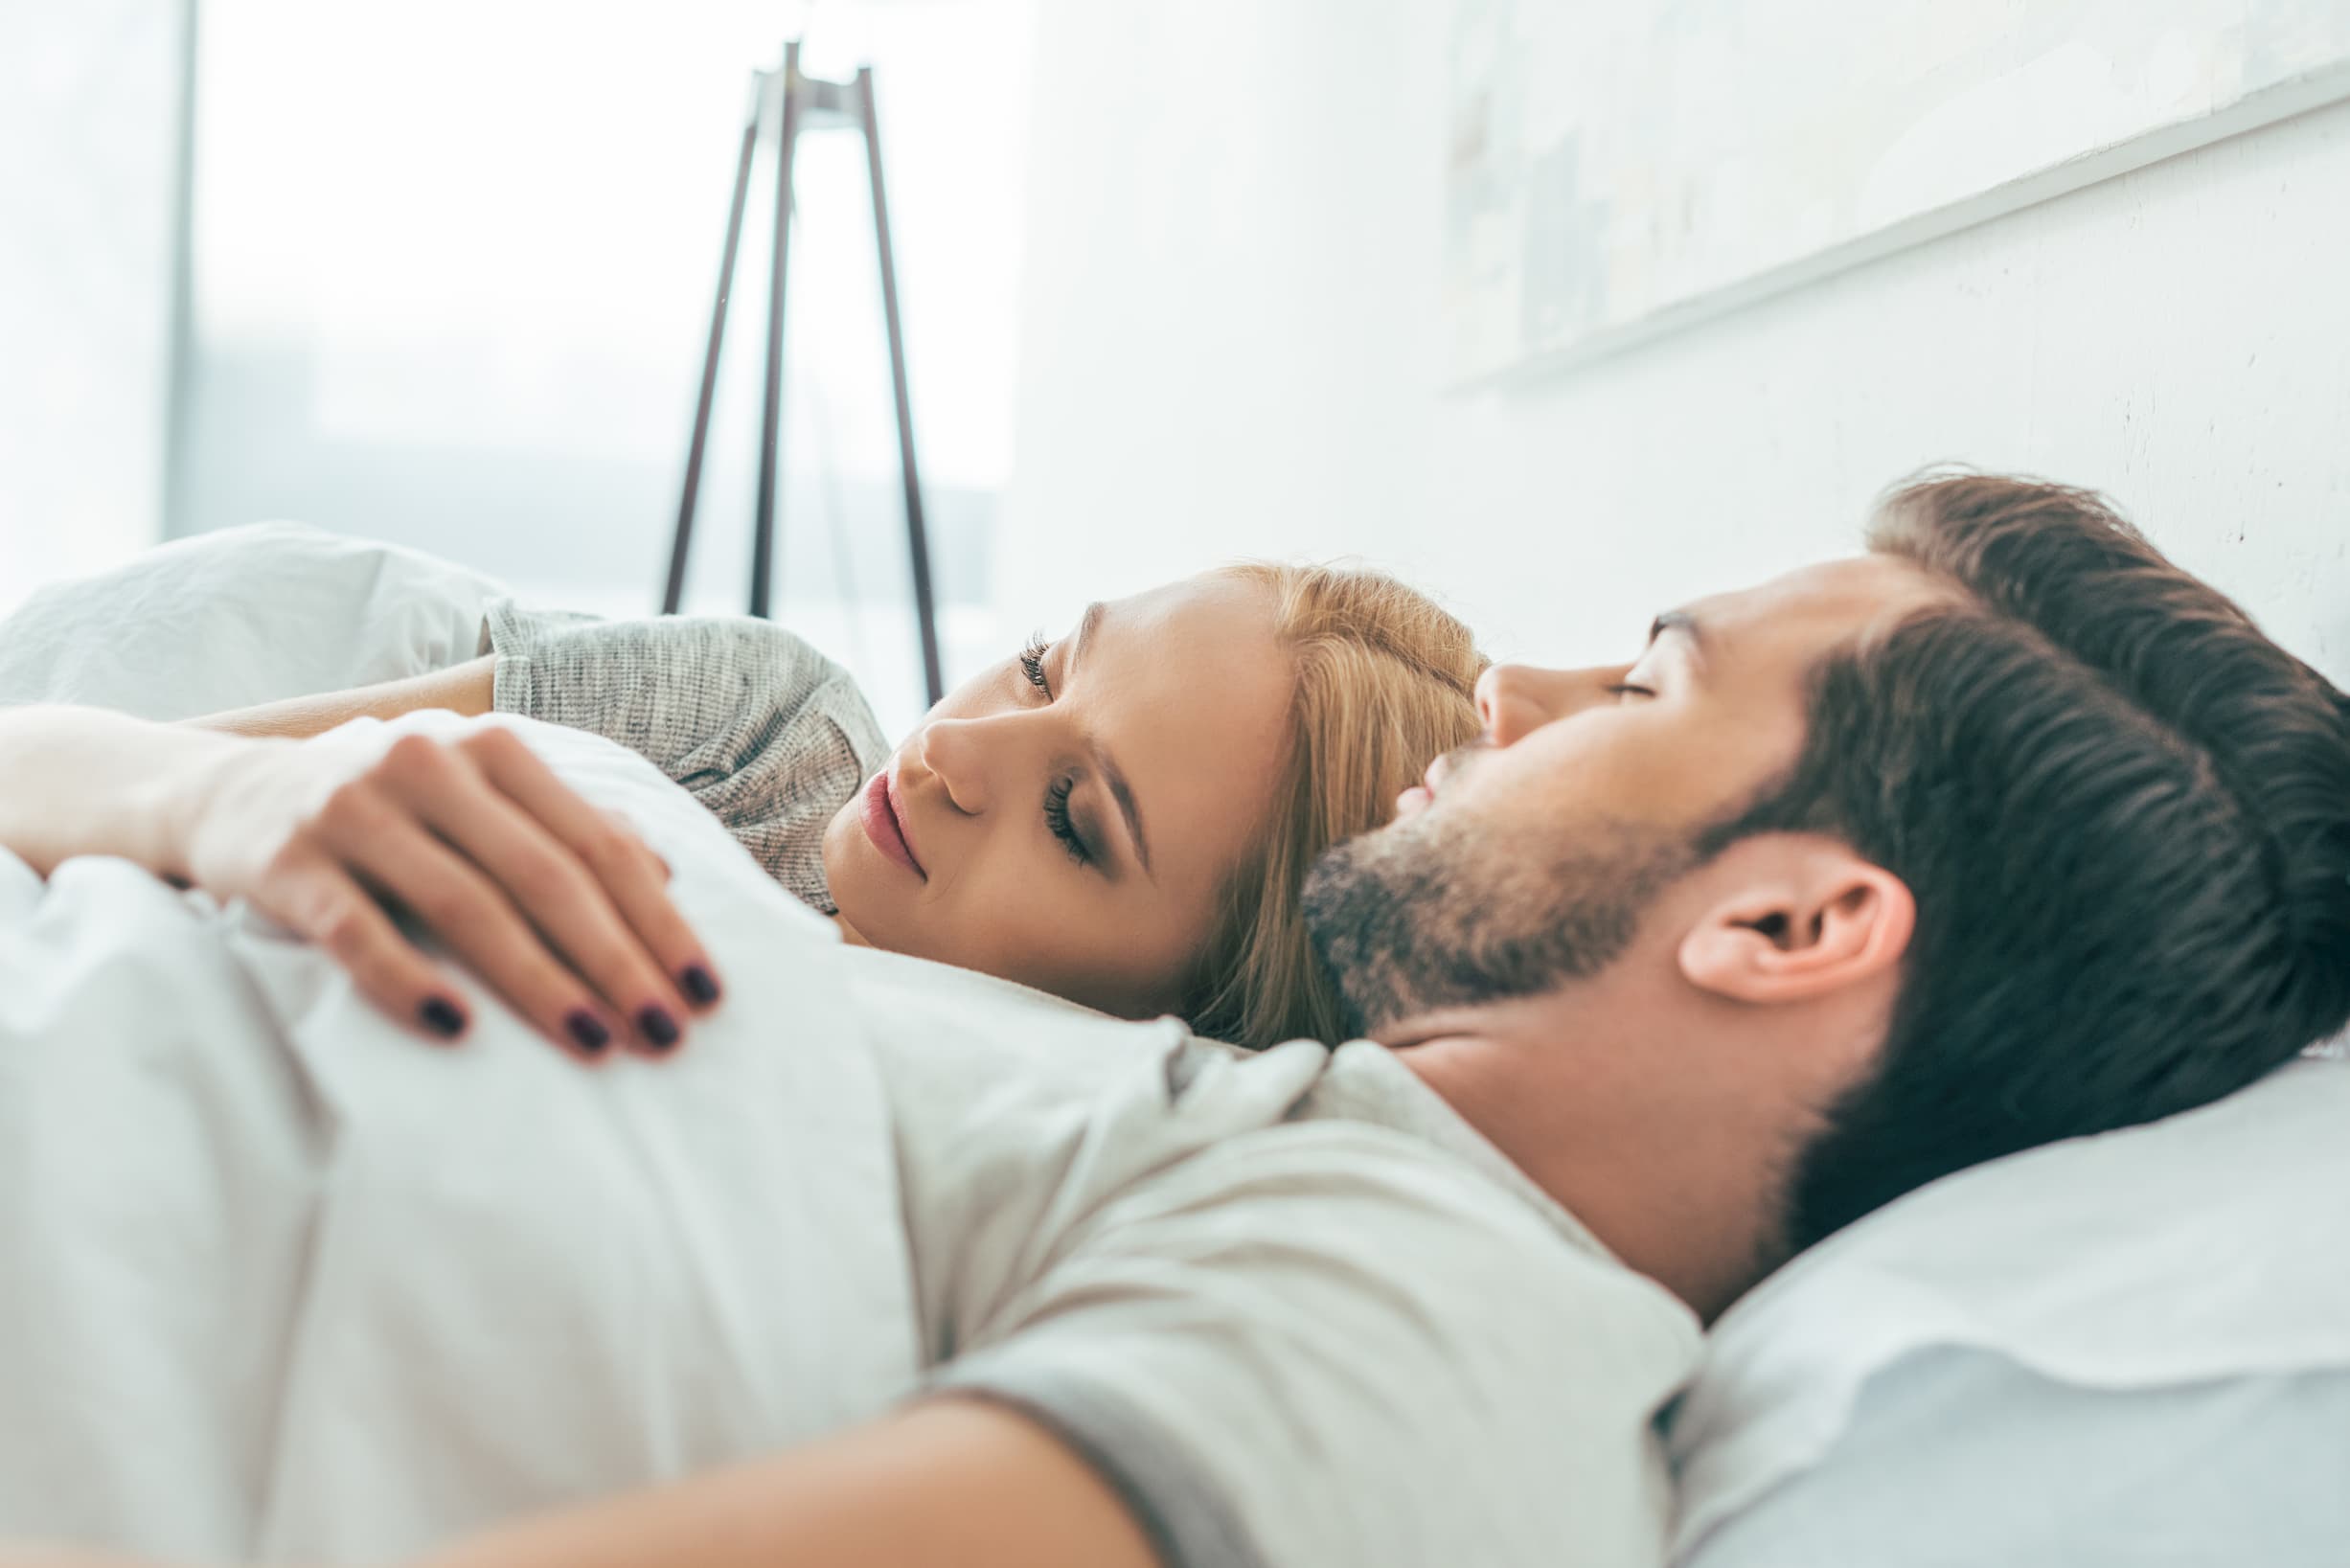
(1440, 912)
(1361, 902)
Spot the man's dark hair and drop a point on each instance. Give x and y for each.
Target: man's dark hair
(2124, 814)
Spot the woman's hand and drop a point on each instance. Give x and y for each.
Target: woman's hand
(558, 905)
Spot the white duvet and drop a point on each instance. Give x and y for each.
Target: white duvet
(279, 1281)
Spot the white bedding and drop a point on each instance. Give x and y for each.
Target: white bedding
(2051, 1359)
(278, 1283)
(241, 616)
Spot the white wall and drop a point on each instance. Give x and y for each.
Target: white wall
(1232, 346)
(89, 137)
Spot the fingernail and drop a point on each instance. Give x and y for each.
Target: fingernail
(589, 1030)
(658, 1026)
(700, 989)
(441, 1017)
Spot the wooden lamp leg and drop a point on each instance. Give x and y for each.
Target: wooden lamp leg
(770, 439)
(918, 543)
(682, 542)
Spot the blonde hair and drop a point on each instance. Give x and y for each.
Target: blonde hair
(1385, 681)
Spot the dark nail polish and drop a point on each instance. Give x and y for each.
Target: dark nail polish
(699, 988)
(441, 1017)
(589, 1030)
(658, 1026)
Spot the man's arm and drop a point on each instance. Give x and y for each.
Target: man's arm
(950, 1483)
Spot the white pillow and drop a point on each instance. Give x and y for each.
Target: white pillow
(2152, 1285)
(241, 616)
(1961, 1459)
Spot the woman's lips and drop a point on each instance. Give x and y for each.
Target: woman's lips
(884, 820)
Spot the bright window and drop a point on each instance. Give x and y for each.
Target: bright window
(452, 270)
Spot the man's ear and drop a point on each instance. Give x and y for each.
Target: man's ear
(1807, 918)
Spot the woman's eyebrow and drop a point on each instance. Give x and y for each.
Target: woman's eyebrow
(1124, 795)
(1111, 774)
(1685, 624)
(1085, 628)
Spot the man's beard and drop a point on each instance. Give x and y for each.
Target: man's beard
(1443, 911)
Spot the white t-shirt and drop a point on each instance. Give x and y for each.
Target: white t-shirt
(278, 1281)
(1289, 1302)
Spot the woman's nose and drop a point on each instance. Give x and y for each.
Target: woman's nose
(1516, 699)
(954, 751)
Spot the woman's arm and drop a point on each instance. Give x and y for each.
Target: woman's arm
(464, 689)
(768, 734)
(81, 781)
(556, 905)
(764, 731)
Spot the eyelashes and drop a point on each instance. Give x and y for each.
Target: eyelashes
(1056, 818)
(1056, 794)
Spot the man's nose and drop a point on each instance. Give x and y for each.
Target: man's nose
(1516, 699)
(955, 752)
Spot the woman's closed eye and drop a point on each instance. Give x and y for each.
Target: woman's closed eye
(1057, 820)
(1031, 663)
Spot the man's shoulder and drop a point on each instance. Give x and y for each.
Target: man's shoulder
(1276, 1336)
(1382, 1204)
(987, 1068)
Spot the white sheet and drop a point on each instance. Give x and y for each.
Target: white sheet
(280, 1281)
(241, 616)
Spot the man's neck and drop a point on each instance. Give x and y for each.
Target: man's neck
(1680, 1188)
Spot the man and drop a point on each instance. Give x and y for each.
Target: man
(2004, 832)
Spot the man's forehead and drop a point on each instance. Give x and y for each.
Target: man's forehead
(1822, 603)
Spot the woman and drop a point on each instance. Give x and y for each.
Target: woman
(1122, 817)
(280, 1289)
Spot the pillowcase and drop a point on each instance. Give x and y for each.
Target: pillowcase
(2159, 1295)
(240, 616)
(1961, 1457)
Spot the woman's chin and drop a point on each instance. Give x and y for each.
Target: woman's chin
(868, 910)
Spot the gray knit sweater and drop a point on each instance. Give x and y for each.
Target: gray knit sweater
(761, 728)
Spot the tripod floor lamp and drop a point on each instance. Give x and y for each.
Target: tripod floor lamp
(804, 103)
